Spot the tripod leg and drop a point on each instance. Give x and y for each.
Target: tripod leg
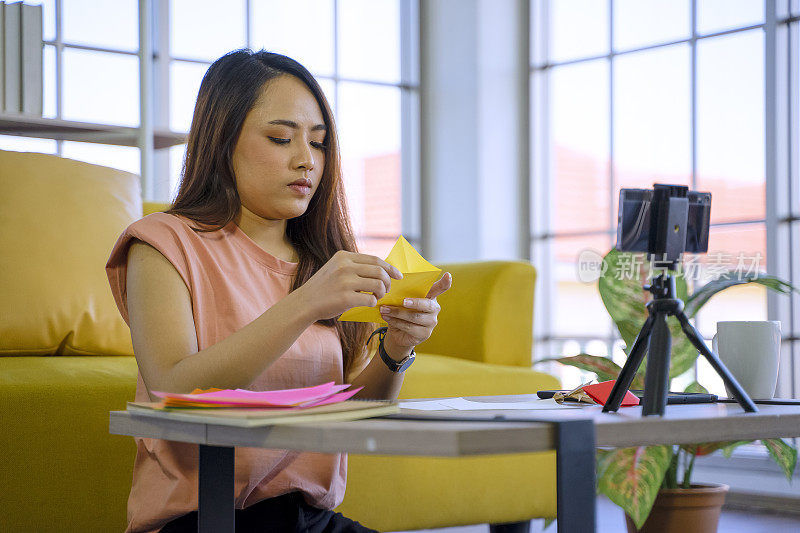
(738, 392)
(628, 372)
(656, 378)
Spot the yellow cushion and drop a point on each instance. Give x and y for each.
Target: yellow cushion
(487, 315)
(62, 471)
(439, 376)
(59, 219)
(415, 492)
(153, 207)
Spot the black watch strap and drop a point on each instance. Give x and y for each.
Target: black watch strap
(394, 366)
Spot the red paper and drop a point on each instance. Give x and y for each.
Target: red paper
(600, 392)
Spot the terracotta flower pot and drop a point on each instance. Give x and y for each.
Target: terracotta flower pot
(693, 510)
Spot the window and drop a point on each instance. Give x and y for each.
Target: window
(91, 74)
(627, 93)
(363, 52)
(364, 61)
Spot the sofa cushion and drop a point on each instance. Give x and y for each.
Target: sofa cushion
(440, 376)
(491, 488)
(60, 219)
(61, 468)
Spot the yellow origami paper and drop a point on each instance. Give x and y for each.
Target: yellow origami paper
(418, 278)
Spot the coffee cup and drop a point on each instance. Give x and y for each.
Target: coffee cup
(751, 352)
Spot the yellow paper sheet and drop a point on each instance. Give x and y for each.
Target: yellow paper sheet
(418, 278)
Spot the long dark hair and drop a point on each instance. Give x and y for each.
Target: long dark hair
(207, 192)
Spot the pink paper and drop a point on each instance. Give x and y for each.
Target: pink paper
(336, 398)
(275, 398)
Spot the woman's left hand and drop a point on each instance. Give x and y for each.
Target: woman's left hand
(414, 322)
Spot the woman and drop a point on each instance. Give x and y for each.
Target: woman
(239, 284)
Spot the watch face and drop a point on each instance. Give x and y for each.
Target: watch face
(406, 364)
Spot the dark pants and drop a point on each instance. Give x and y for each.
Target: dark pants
(288, 513)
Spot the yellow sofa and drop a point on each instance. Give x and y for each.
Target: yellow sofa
(65, 362)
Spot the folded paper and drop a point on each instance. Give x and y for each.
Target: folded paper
(418, 278)
(324, 394)
(600, 392)
(595, 393)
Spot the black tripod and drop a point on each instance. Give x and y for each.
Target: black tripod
(655, 340)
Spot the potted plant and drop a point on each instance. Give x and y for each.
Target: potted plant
(659, 477)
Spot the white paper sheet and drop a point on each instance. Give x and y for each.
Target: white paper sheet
(462, 404)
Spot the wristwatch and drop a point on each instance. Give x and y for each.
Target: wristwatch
(394, 366)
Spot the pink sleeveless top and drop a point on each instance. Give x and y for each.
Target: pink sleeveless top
(232, 281)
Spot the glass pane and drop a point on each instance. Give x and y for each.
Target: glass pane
(329, 88)
(48, 19)
(110, 98)
(369, 39)
(176, 155)
(579, 29)
(27, 144)
(49, 81)
(719, 15)
(794, 105)
(377, 247)
(579, 150)
(640, 23)
(103, 24)
(578, 309)
(206, 29)
(652, 118)
(184, 84)
(369, 128)
(271, 31)
(120, 157)
(730, 125)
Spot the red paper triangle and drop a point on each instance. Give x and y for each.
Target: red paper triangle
(600, 392)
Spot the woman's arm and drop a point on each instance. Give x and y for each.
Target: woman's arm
(378, 381)
(164, 336)
(163, 330)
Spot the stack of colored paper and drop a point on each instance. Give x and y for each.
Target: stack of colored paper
(325, 394)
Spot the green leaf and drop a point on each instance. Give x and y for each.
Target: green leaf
(707, 448)
(696, 387)
(604, 367)
(783, 454)
(621, 289)
(631, 478)
(731, 279)
(727, 451)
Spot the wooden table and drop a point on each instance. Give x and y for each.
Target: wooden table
(572, 433)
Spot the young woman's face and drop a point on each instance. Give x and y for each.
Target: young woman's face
(279, 156)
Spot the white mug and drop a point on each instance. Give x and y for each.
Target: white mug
(751, 352)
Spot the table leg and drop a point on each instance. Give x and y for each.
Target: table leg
(215, 490)
(575, 476)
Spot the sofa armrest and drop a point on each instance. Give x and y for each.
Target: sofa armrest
(487, 315)
(154, 207)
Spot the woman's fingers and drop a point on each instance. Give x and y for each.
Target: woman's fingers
(415, 331)
(421, 318)
(444, 283)
(377, 261)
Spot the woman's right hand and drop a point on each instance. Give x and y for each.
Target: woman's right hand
(347, 280)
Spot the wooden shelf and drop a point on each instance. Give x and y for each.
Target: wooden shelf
(67, 130)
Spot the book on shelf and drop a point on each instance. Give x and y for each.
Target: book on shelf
(12, 69)
(259, 416)
(21, 61)
(31, 60)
